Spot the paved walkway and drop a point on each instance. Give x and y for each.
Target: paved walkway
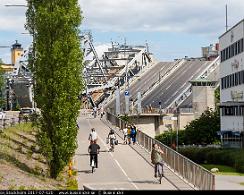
(229, 182)
(123, 169)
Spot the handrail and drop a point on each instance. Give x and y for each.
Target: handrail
(189, 171)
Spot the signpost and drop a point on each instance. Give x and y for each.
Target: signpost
(127, 101)
(117, 100)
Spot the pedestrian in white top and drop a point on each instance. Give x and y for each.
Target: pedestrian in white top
(92, 136)
(125, 132)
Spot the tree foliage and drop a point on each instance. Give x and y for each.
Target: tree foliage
(56, 64)
(217, 95)
(204, 129)
(200, 131)
(169, 138)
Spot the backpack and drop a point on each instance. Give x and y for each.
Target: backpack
(133, 131)
(156, 157)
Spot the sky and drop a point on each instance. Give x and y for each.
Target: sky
(172, 28)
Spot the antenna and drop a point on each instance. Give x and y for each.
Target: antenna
(147, 47)
(226, 17)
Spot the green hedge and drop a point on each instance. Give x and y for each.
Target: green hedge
(230, 157)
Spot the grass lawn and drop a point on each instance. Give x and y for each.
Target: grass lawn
(24, 168)
(223, 170)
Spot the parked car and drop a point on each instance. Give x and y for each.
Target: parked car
(26, 112)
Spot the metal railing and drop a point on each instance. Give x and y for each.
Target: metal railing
(186, 169)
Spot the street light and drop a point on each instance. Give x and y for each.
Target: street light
(177, 129)
(160, 107)
(15, 5)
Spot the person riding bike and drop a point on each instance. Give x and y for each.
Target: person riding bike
(93, 150)
(112, 139)
(157, 160)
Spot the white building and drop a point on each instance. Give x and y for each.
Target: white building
(232, 86)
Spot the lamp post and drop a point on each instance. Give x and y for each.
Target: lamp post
(160, 107)
(177, 129)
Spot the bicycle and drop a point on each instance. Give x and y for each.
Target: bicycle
(112, 143)
(93, 163)
(160, 171)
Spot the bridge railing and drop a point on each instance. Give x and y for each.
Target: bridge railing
(186, 169)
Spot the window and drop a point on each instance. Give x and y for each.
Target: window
(233, 50)
(241, 45)
(232, 111)
(232, 80)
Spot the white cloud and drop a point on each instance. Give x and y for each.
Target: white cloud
(191, 16)
(202, 17)
(12, 18)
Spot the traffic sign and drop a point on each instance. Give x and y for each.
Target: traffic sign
(127, 93)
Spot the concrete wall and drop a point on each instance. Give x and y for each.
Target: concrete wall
(203, 98)
(232, 123)
(185, 119)
(156, 125)
(145, 124)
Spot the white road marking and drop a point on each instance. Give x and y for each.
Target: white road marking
(126, 174)
(129, 179)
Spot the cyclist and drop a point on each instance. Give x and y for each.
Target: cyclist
(92, 136)
(112, 139)
(95, 111)
(93, 150)
(157, 160)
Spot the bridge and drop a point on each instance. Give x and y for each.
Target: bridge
(129, 167)
(168, 83)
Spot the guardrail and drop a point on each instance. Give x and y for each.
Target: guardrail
(186, 169)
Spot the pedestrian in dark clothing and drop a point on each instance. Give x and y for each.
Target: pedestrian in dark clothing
(133, 133)
(93, 149)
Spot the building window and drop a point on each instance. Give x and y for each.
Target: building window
(231, 51)
(232, 80)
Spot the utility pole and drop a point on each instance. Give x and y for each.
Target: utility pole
(127, 91)
(226, 17)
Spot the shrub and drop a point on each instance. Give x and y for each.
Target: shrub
(229, 157)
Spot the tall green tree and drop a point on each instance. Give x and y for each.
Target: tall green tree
(56, 64)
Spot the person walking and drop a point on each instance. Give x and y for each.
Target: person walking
(133, 134)
(93, 150)
(157, 159)
(128, 134)
(95, 111)
(125, 134)
(101, 112)
(93, 136)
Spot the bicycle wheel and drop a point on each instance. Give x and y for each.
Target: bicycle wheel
(93, 165)
(92, 169)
